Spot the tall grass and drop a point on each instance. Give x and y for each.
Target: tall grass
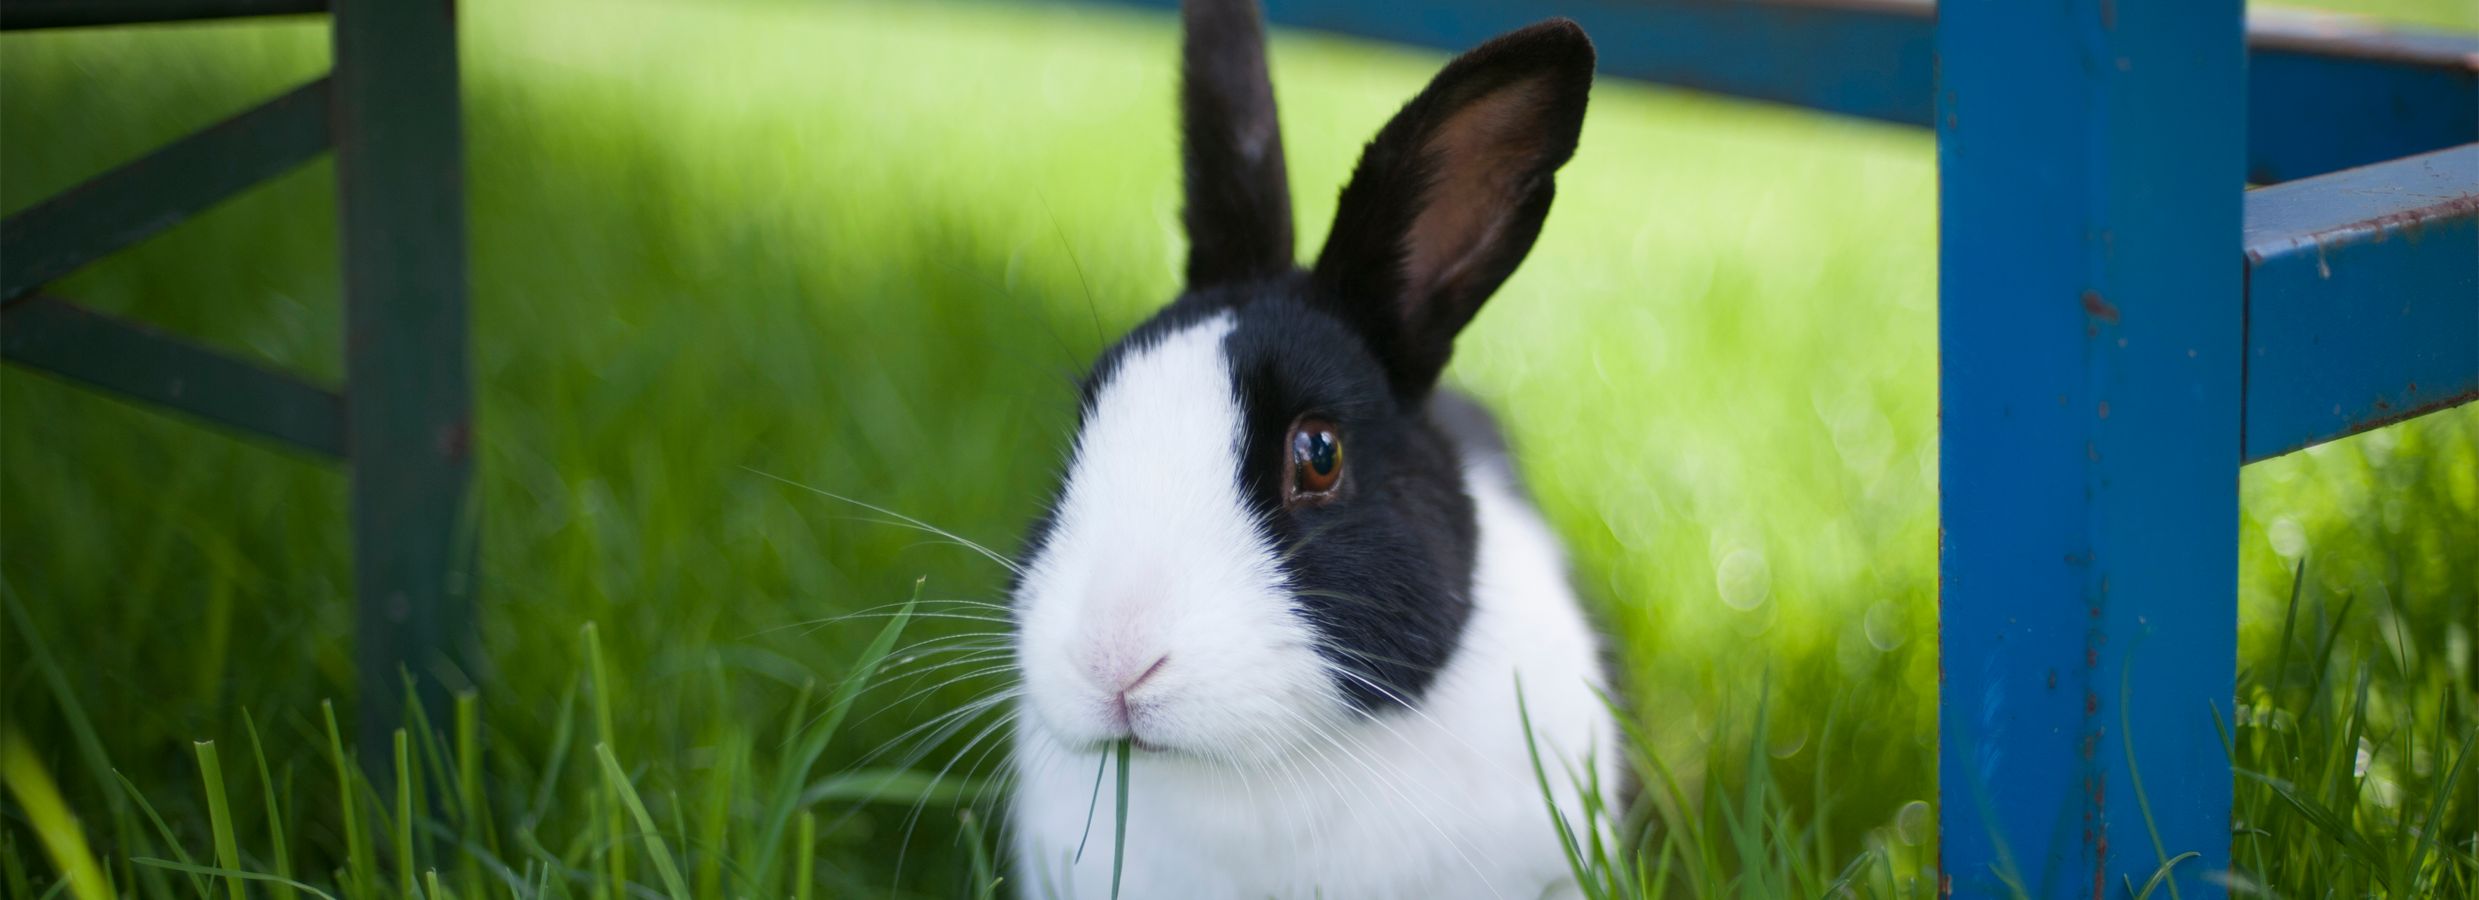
(606, 837)
(2329, 804)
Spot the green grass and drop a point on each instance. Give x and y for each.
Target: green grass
(864, 247)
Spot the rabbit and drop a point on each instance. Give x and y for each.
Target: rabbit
(1298, 577)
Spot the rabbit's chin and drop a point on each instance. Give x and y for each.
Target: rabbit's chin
(1240, 750)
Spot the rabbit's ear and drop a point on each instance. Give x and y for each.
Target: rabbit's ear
(1448, 198)
(1238, 199)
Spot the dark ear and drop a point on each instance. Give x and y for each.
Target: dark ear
(1238, 199)
(1449, 197)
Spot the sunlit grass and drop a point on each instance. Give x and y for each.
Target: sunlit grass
(865, 247)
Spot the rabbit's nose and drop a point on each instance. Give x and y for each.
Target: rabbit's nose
(1119, 699)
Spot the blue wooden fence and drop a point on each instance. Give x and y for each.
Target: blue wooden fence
(2122, 324)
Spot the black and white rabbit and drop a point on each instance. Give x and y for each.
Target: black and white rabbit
(1296, 574)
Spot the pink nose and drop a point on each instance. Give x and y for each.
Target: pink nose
(1119, 700)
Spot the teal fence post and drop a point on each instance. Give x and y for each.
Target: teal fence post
(409, 411)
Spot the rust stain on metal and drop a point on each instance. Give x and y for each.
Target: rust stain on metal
(2411, 223)
(2104, 409)
(2100, 858)
(2099, 307)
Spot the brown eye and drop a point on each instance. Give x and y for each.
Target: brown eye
(1316, 459)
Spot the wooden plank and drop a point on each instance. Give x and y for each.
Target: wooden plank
(19, 15)
(2325, 93)
(139, 363)
(400, 172)
(2092, 157)
(2362, 299)
(138, 200)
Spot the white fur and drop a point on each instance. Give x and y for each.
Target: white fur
(1269, 785)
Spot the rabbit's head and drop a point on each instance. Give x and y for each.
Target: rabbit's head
(1261, 532)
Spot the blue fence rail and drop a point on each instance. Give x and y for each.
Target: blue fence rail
(2122, 324)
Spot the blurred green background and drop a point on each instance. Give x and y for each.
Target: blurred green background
(866, 247)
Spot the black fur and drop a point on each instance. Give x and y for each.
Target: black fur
(1238, 206)
(1411, 315)
(1383, 571)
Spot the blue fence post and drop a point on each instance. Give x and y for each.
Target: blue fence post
(2092, 159)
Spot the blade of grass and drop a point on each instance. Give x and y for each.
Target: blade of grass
(555, 760)
(616, 829)
(805, 856)
(2331, 823)
(898, 786)
(219, 813)
(281, 849)
(13, 875)
(469, 804)
(2324, 654)
(985, 878)
(405, 867)
(161, 830)
(217, 871)
(655, 847)
(1093, 804)
(1540, 777)
(2161, 876)
(797, 765)
(356, 841)
(72, 711)
(1119, 837)
(2429, 835)
(714, 821)
(54, 825)
(2134, 774)
(2289, 627)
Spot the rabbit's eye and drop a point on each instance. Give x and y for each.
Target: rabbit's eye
(1316, 461)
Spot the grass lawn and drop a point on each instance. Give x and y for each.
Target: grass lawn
(865, 247)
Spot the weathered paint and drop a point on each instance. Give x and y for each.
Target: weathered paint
(17, 15)
(400, 188)
(137, 200)
(2325, 93)
(129, 359)
(2362, 299)
(2092, 156)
